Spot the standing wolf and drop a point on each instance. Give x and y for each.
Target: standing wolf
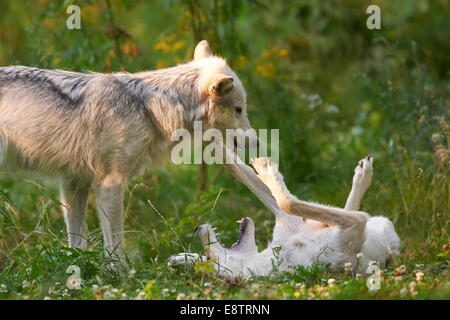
(97, 130)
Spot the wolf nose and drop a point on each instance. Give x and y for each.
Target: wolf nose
(197, 229)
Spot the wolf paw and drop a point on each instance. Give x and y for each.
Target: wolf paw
(265, 169)
(184, 258)
(363, 174)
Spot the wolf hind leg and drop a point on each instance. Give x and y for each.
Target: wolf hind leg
(269, 174)
(351, 224)
(74, 202)
(361, 182)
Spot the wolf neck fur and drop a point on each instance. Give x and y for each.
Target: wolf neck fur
(174, 96)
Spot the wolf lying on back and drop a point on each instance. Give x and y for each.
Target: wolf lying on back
(98, 130)
(332, 235)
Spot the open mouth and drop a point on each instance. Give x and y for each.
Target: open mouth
(242, 228)
(209, 238)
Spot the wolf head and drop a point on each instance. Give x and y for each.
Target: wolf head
(226, 104)
(233, 258)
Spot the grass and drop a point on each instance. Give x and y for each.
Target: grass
(34, 255)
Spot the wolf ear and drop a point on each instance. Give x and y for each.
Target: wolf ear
(220, 85)
(202, 50)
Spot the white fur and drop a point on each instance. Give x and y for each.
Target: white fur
(299, 242)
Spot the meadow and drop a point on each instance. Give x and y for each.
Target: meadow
(336, 90)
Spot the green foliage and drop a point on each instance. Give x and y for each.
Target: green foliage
(308, 275)
(205, 267)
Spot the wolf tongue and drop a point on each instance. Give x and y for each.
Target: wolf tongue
(234, 245)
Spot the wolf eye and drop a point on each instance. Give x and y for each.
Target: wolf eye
(238, 109)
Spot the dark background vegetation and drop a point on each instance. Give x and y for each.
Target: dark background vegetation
(336, 90)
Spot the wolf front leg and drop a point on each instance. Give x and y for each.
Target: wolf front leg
(74, 196)
(185, 258)
(248, 177)
(285, 224)
(109, 201)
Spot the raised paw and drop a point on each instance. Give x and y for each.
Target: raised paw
(184, 258)
(265, 168)
(363, 174)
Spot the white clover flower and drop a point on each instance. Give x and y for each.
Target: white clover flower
(348, 266)
(332, 109)
(373, 289)
(52, 290)
(47, 298)
(412, 286)
(403, 291)
(181, 296)
(402, 266)
(108, 294)
(74, 283)
(141, 295)
(3, 288)
(331, 282)
(398, 278)
(124, 295)
(298, 285)
(359, 256)
(131, 273)
(26, 284)
(207, 284)
(94, 287)
(419, 276)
